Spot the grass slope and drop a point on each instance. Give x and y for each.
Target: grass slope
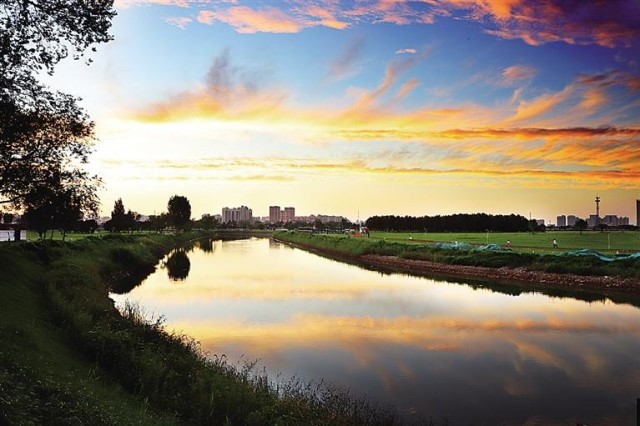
(413, 249)
(67, 356)
(523, 241)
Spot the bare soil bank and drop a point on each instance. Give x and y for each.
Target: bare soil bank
(539, 279)
(604, 285)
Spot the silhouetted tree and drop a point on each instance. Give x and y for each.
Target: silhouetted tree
(43, 135)
(118, 220)
(158, 222)
(207, 222)
(7, 218)
(59, 205)
(581, 225)
(476, 222)
(179, 211)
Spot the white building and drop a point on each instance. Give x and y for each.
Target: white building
(237, 214)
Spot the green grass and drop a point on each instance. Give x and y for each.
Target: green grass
(528, 257)
(522, 241)
(43, 379)
(72, 236)
(67, 356)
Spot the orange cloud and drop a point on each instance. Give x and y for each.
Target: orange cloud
(321, 15)
(540, 105)
(392, 71)
(555, 20)
(246, 20)
(534, 22)
(515, 73)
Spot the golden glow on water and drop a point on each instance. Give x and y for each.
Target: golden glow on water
(415, 342)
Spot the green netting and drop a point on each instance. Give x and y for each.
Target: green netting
(492, 247)
(598, 255)
(453, 246)
(468, 247)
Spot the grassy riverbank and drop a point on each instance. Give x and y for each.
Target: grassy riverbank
(67, 356)
(540, 242)
(355, 247)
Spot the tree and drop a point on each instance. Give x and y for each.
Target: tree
(158, 222)
(118, 217)
(179, 211)
(43, 134)
(36, 35)
(59, 205)
(207, 222)
(581, 225)
(7, 218)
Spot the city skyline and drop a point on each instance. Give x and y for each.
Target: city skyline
(367, 107)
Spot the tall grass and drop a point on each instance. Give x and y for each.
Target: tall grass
(169, 371)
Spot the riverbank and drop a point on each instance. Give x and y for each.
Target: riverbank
(68, 356)
(534, 271)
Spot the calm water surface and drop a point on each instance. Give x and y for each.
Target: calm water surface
(431, 348)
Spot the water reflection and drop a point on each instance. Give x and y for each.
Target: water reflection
(429, 347)
(206, 245)
(178, 265)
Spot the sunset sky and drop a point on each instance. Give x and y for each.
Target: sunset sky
(367, 107)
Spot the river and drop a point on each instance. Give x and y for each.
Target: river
(431, 348)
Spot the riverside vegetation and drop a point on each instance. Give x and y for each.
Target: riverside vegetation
(68, 356)
(355, 248)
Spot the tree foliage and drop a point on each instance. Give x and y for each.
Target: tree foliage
(48, 141)
(477, 222)
(581, 225)
(59, 204)
(36, 35)
(45, 137)
(120, 220)
(179, 211)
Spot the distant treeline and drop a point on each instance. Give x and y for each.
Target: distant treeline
(477, 222)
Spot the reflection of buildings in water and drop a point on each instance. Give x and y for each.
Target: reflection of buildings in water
(178, 265)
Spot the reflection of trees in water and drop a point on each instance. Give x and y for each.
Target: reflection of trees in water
(206, 245)
(178, 265)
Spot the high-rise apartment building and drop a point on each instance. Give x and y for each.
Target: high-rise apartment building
(561, 221)
(571, 220)
(288, 214)
(274, 214)
(237, 214)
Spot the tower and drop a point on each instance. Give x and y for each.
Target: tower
(597, 212)
(637, 212)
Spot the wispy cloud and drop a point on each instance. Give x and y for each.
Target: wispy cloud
(409, 51)
(346, 64)
(181, 22)
(516, 73)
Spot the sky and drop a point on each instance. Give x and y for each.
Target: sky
(372, 107)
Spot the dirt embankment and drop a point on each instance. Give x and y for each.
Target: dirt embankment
(533, 278)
